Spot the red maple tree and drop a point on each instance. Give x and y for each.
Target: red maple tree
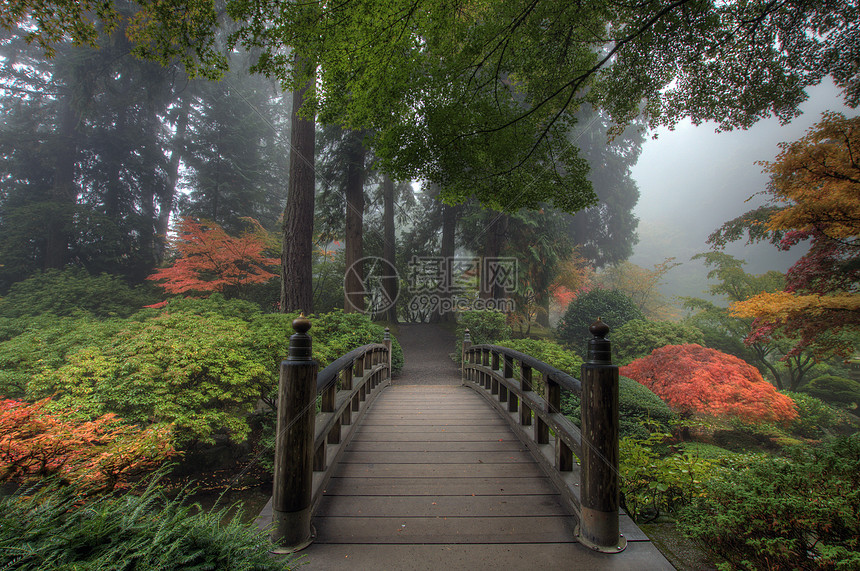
(100, 454)
(211, 260)
(691, 378)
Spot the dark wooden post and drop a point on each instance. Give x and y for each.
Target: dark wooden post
(294, 453)
(467, 343)
(599, 526)
(386, 340)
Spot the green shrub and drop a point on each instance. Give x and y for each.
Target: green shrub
(42, 346)
(343, 332)
(215, 304)
(52, 529)
(200, 372)
(774, 513)
(611, 306)
(73, 291)
(708, 451)
(549, 352)
(484, 327)
(200, 364)
(835, 390)
(638, 337)
(653, 484)
(815, 417)
(640, 411)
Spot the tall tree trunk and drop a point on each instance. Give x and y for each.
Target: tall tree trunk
(389, 282)
(449, 227)
(296, 261)
(168, 192)
(493, 246)
(353, 284)
(64, 192)
(542, 317)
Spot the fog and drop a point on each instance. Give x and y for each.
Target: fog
(692, 180)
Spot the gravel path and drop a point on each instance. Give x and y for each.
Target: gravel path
(427, 352)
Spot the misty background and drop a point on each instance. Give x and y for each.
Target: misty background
(693, 179)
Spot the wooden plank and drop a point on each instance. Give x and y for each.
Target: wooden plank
(437, 486)
(488, 457)
(431, 428)
(453, 557)
(476, 446)
(391, 436)
(439, 470)
(424, 530)
(432, 418)
(440, 506)
(466, 423)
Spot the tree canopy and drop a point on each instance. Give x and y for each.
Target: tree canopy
(479, 96)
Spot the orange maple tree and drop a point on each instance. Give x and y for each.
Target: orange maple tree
(211, 260)
(691, 378)
(815, 191)
(100, 454)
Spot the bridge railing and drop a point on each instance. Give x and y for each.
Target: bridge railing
(309, 443)
(583, 464)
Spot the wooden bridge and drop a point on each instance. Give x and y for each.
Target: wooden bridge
(445, 467)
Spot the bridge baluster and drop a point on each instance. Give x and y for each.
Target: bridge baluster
(525, 411)
(541, 427)
(294, 455)
(386, 340)
(467, 344)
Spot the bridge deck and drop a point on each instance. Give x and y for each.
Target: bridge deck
(434, 479)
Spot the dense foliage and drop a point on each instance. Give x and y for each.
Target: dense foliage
(74, 291)
(654, 483)
(200, 365)
(611, 306)
(203, 373)
(801, 512)
(692, 378)
(815, 418)
(836, 390)
(484, 326)
(48, 528)
(638, 337)
(97, 455)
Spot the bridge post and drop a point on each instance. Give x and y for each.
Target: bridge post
(294, 453)
(467, 344)
(598, 528)
(386, 340)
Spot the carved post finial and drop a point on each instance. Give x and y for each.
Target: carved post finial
(599, 347)
(300, 341)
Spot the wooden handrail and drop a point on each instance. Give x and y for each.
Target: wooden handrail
(309, 444)
(589, 486)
